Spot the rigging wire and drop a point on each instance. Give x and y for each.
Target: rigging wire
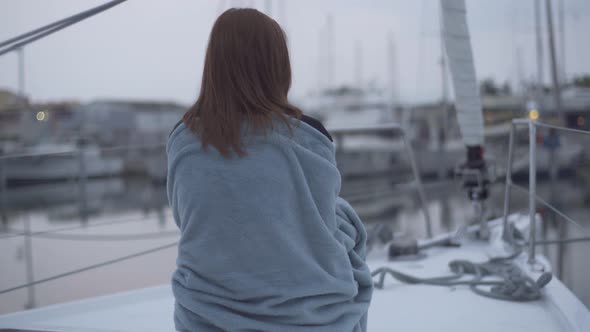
(548, 205)
(18, 233)
(90, 267)
(22, 40)
(564, 241)
(109, 237)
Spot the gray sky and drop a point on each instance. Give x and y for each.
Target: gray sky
(153, 49)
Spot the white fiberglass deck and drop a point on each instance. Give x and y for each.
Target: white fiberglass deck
(402, 307)
(397, 307)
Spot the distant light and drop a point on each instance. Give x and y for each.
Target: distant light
(581, 121)
(41, 116)
(533, 114)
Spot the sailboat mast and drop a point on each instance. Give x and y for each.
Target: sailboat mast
(552, 55)
(330, 50)
(281, 13)
(393, 81)
(539, 42)
(221, 6)
(561, 15)
(443, 65)
(325, 69)
(444, 117)
(358, 64)
(519, 71)
(21, 73)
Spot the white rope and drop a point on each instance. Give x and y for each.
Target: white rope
(514, 285)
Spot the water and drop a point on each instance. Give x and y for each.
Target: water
(105, 224)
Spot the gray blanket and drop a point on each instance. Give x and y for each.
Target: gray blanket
(266, 242)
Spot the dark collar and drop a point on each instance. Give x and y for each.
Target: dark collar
(317, 125)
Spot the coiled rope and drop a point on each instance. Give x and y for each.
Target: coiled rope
(514, 284)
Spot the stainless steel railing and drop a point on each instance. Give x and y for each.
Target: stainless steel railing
(395, 129)
(533, 198)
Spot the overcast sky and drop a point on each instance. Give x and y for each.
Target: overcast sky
(154, 49)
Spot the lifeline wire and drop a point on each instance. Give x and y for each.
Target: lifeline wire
(91, 267)
(565, 241)
(108, 237)
(17, 233)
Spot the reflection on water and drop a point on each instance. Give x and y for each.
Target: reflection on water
(101, 221)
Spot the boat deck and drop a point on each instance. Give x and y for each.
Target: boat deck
(396, 307)
(403, 307)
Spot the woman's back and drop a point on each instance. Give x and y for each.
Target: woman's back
(266, 243)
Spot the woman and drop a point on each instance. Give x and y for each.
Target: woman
(266, 243)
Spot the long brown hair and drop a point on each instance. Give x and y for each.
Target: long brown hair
(246, 80)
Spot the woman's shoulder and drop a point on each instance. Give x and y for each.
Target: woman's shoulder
(316, 124)
(313, 122)
(179, 138)
(175, 127)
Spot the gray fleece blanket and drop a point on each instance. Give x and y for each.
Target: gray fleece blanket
(266, 243)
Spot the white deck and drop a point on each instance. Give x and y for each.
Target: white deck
(398, 307)
(401, 307)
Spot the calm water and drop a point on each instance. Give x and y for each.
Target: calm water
(105, 225)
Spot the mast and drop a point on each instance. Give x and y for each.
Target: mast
(320, 63)
(552, 56)
(220, 7)
(561, 28)
(392, 70)
(281, 15)
(442, 133)
(443, 65)
(21, 74)
(519, 71)
(268, 7)
(553, 135)
(539, 42)
(358, 64)
(325, 70)
(330, 51)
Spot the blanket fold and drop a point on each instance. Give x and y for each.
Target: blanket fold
(266, 242)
